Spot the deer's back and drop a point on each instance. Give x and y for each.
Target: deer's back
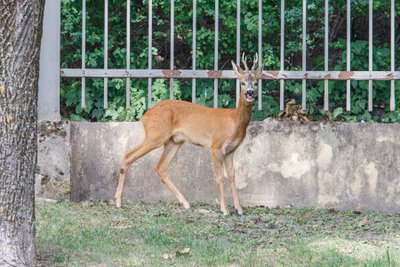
(188, 122)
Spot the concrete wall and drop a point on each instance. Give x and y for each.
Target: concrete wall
(336, 165)
(53, 166)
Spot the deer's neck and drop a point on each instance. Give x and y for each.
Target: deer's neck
(243, 113)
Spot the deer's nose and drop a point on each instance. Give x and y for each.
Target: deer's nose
(250, 92)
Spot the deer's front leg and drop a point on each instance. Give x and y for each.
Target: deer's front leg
(230, 171)
(218, 159)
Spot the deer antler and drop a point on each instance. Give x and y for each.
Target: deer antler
(244, 59)
(254, 62)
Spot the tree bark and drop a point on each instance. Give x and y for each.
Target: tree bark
(20, 36)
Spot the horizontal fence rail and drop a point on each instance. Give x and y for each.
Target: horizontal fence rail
(216, 74)
(229, 74)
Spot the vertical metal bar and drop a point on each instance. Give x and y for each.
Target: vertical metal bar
(304, 57)
(260, 52)
(128, 52)
(105, 52)
(392, 54)
(150, 54)
(326, 61)
(237, 48)
(172, 43)
(83, 93)
(194, 47)
(216, 51)
(348, 53)
(370, 57)
(282, 87)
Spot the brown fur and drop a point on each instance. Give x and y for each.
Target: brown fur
(173, 122)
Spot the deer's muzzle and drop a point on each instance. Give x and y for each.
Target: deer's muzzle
(250, 95)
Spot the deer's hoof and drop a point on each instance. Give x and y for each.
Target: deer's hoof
(225, 213)
(189, 210)
(234, 211)
(119, 206)
(185, 205)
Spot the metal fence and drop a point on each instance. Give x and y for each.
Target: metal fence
(216, 74)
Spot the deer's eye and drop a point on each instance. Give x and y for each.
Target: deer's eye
(243, 83)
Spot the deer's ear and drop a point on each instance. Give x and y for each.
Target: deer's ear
(237, 69)
(259, 71)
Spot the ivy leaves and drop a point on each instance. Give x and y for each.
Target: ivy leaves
(71, 56)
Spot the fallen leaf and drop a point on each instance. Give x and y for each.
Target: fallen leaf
(8, 118)
(363, 221)
(2, 89)
(183, 252)
(168, 256)
(1, 209)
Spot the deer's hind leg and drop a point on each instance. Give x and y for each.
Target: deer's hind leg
(145, 147)
(170, 150)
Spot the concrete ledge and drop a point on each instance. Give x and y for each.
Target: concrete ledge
(338, 165)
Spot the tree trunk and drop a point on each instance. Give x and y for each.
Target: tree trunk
(20, 35)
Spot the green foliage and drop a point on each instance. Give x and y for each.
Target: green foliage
(71, 55)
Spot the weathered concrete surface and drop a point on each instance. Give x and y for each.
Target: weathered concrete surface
(53, 166)
(96, 153)
(279, 163)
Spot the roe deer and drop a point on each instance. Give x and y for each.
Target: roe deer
(172, 123)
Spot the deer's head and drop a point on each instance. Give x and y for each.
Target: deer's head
(248, 78)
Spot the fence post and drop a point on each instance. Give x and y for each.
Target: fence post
(49, 76)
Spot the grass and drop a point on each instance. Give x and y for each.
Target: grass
(161, 234)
